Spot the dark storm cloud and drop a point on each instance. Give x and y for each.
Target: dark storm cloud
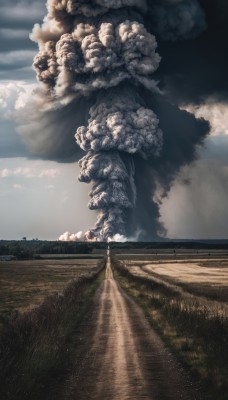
(21, 14)
(14, 39)
(193, 70)
(17, 18)
(46, 133)
(176, 19)
(202, 182)
(182, 133)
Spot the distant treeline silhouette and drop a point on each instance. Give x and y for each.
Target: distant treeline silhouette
(28, 249)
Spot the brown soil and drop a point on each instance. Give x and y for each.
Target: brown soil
(120, 356)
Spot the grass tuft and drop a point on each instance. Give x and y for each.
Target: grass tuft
(198, 337)
(37, 348)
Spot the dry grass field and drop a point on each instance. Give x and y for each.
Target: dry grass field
(25, 284)
(200, 273)
(42, 306)
(192, 272)
(59, 315)
(186, 300)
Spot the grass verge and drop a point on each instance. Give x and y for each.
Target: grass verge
(37, 349)
(199, 340)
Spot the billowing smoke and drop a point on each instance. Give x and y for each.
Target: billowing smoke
(95, 56)
(118, 128)
(97, 60)
(177, 19)
(71, 237)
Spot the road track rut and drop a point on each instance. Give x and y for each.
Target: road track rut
(121, 356)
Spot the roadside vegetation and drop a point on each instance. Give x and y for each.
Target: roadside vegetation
(38, 348)
(25, 284)
(198, 336)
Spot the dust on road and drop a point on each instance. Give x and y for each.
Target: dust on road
(122, 357)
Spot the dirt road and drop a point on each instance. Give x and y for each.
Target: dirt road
(121, 356)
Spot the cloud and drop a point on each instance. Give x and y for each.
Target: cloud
(177, 19)
(64, 197)
(16, 59)
(7, 33)
(214, 112)
(50, 188)
(17, 50)
(196, 205)
(194, 70)
(13, 97)
(21, 13)
(17, 186)
(27, 172)
(14, 39)
(31, 211)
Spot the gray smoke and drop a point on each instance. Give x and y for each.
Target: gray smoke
(117, 125)
(120, 123)
(96, 63)
(95, 55)
(177, 19)
(60, 9)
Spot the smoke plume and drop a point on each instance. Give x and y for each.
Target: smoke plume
(177, 19)
(71, 237)
(97, 60)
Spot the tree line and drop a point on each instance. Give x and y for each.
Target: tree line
(29, 249)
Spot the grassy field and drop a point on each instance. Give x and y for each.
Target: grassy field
(186, 303)
(200, 272)
(39, 347)
(25, 284)
(184, 294)
(98, 255)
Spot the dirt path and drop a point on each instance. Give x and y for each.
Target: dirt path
(121, 356)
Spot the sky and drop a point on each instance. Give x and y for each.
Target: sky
(42, 198)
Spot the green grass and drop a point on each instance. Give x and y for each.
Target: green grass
(197, 338)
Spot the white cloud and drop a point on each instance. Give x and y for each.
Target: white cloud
(64, 197)
(17, 186)
(4, 173)
(18, 58)
(27, 172)
(14, 96)
(214, 112)
(50, 188)
(50, 173)
(36, 210)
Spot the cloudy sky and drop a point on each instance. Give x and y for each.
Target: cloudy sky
(42, 198)
(37, 198)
